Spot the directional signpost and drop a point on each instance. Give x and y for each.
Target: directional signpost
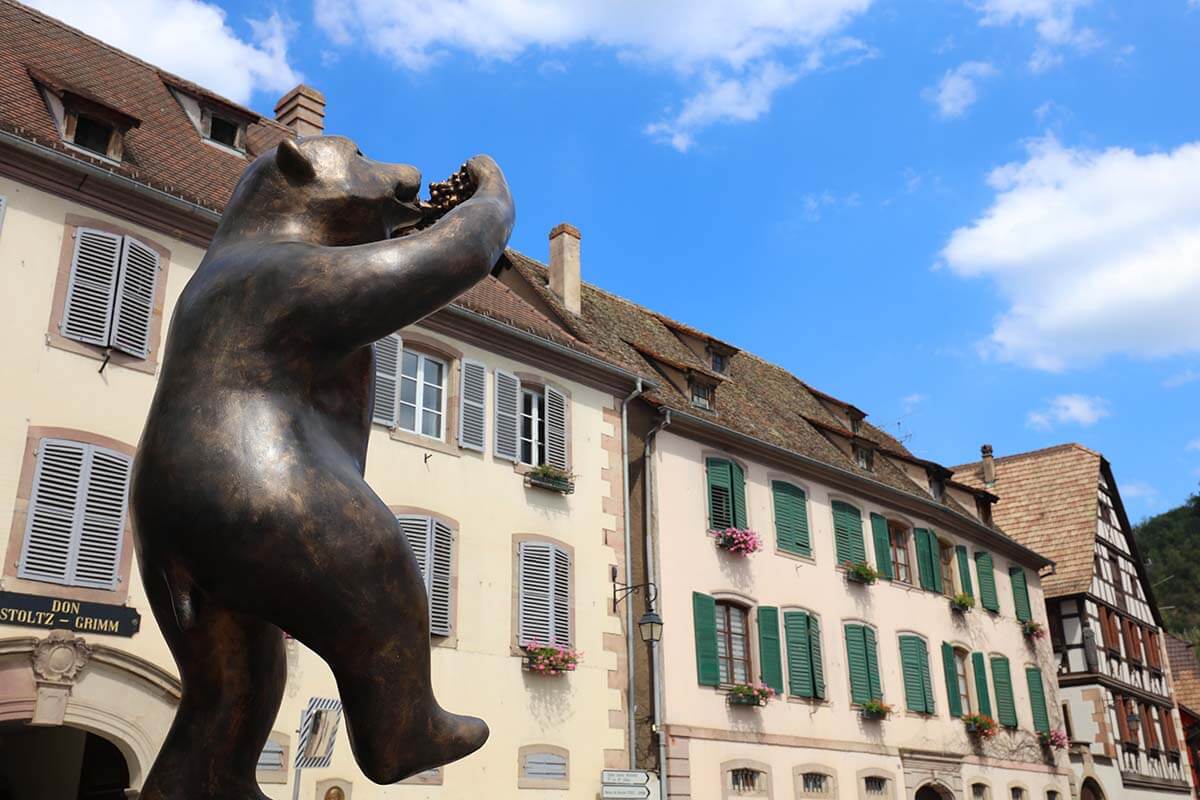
(624, 784)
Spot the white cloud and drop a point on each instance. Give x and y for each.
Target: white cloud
(1076, 409)
(956, 91)
(739, 54)
(1139, 490)
(1194, 444)
(190, 38)
(1181, 378)
(911, 401)
(1054, 21)
(1097, 253)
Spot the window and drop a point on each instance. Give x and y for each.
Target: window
(543, 594)
(929, 566)
(791, 518)
(1018, 793)
(898, 543)
(702, 395)
(1006, 709)
(1053, 794)
(543, 766)
(531, 422)
(720, 362)
(946, 555)
(92, 134)
(875, 786)
(733, 643)
(864, 457)
(422, 394)
(75, 526)
(937, 488)
(432, 542)
(806, 672)
(110, 294)
(960, 675)
(981, 791)
(273, 763)
(746, 780)
(958, 691)
(726, 494)
(983, 507)
(848, 533)
(862, 660)
(914, 665)
(224, 131)
(816, 784)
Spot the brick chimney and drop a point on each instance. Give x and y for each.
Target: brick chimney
(989, 465)
(303, 110)
(564, 265)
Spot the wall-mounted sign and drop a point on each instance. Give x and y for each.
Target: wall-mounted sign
(624, 784)
(36, 611)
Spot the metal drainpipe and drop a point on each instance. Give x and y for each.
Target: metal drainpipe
(629, 704)
(652, 577)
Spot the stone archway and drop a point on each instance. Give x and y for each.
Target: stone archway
(933, 791)
(62, 680)
(1091, 790)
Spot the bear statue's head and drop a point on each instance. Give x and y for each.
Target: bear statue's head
(324, 187)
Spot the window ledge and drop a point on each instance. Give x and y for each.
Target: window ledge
(796, 556)
(116, 358)
(424, 442)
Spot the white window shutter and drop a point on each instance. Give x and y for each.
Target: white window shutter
(385, 400)
(562, 597)
(556, 428)
(535, 577)
(416, 531)
(102, 524)
(53, 508)
(439, 582)
(87, 315)
(508, 415)
(472, 406)
(134, 310)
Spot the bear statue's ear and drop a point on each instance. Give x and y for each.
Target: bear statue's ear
(293, 163)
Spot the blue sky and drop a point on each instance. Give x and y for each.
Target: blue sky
(978, 220)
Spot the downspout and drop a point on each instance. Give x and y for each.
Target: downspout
(629, 704)
(652, 577)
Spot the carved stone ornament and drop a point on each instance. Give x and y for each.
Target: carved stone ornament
(60, 657)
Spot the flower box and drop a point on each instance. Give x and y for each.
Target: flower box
(861, 572)
(749, 694)
(552, 478)
(875, 710)
(550, 660)
(1053, 740)
(961, 603)
(1033, 629)
(738, 541)
(980, 725)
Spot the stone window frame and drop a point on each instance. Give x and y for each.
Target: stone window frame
(1025, 795)
(800, 770)
(774, 477)
(515, 648)
(864, 516)
(842, 623)
(450, 641)
(958, 646)
(453, 357)
(1056, 789)
(825, 667)
(16, 537)
(875, 772)
(54, 337)
(977, 781)
(277, 776)
(538, 382)
(725, 455)
(727, 792)
(910, 548)
(524, 782)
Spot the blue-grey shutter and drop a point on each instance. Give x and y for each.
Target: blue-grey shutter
(545, 766)
(385, 398)
(91, 289)
(102, 526)
(133, 312)
(441, 557)
(562, 598)
(556, 428)
(543, 594)
(472, 406)
(508, 415)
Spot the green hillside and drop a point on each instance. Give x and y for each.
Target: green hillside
(1170, 544)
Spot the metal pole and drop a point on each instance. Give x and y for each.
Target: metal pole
(652, 577)
(630, 705)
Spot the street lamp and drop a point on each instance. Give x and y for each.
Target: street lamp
(650, 626)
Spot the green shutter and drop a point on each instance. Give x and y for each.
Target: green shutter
(720, 494)
(979, 667)
(912, 649)
(704, 620)
(872, 649)
(848, 533)
(950, 668)
(791, 518)
(1006, 709)
(769, 657)
(924, 558)
(1037, 699)
(1020, 587)
(987, 581)
(935, 561)
(926, 678)
(883, 546)
(739, 494)
(799, 658)
(814, 652)
(856, 662)
(964, 569)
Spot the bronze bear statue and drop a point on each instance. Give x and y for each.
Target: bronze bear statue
(251, 515)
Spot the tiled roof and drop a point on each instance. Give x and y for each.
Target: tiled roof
(493, 299)
(1048, 503)
(1185, 672)
(164, 151)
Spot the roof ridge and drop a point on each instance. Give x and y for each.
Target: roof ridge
(158, 71)
(1042, 451)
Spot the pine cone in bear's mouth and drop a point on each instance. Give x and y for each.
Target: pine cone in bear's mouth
(443, 196)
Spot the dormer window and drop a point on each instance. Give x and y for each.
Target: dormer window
(864, 457)
(92, 134)
(218, 122)
(720, 362)
(702, 395)
(937, 488)
(224, 131)
(984, 507)
(85, 121)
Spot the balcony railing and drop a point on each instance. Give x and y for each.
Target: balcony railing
(1156, 764)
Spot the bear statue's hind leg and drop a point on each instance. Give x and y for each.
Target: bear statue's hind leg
(233, 669)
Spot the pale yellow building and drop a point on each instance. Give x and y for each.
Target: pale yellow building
(112, 177)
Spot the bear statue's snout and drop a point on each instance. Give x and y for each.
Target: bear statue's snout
(408, 184)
